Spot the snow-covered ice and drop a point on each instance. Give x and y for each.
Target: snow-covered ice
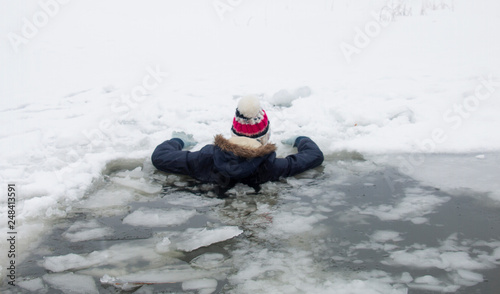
(403, 100)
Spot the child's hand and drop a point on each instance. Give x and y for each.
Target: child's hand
(188, 139)
(293, 141)
(290, 141)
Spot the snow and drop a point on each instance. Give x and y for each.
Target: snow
(88, 91)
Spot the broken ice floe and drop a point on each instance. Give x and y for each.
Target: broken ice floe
(136, 173)
(385, 236)
(72, 283)
(194, 238)
(208, 261)
(204, 286)
(286, 223)
(152, 217)
(136, 180)
(189, 200)
(139, 185)
(117, 255)
(458, 258)
(108, 201)
(167, 274)
(379, 240)
(32, 285)
(83, 231)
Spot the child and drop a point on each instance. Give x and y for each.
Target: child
(246, 157)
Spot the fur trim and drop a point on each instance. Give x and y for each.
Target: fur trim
(245, 141)
(243, 151)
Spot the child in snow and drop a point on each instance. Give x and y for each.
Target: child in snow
(246, 157)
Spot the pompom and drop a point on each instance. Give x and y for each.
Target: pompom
(249, 106)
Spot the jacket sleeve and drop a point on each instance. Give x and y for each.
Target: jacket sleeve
(169, 157)
(308, 156)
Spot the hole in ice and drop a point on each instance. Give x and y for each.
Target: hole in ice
(321, 232)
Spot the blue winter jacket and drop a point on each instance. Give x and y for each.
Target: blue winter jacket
(226, 164)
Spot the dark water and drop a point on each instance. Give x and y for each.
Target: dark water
(341, 207)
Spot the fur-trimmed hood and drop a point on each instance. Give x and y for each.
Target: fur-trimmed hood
(237, 161)
(243, 151)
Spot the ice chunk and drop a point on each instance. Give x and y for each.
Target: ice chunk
(132, 251)
(167, 274)
(431, 283)
(430, 280)
(137, 173)
(31, 285)
(419, 220)
(469, 278)
(151, 217)
(193, 239)
(70, 261)
(406, 277)
(447, 257)
(202, 285)
(285, 97)
(496, 253)
(140, 185)
(109, 201)
(72, 283)
(291, 223)
(208, 261)
(384, 236)
(163, 246)
(126, 286)
(190, 200)
(82, 231)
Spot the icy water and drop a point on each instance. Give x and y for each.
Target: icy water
(349, 226)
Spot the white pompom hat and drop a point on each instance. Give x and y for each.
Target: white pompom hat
(251, 120)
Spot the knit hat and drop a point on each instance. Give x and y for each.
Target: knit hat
(251, 120)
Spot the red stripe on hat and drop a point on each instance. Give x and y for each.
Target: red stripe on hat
(249, 129)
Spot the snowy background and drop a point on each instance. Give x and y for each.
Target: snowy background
(87, 84)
